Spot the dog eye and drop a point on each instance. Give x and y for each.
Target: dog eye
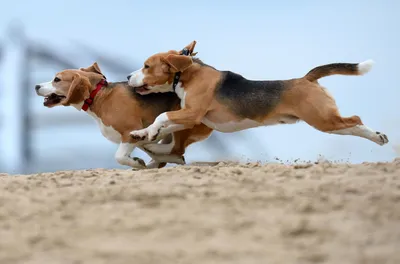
(57, 79)
(146, 66)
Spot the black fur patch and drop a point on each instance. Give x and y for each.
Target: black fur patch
(248, 98)
(160, 102)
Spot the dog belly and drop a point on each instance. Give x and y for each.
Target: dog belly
(232, 126)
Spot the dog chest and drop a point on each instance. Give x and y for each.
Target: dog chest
(180, 92)
(107, 131)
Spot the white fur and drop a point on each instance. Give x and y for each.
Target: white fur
(136, 78)
(364, 132)
(180, 92)
(231, 126)
(161, 148)
(365, 66)
(46, 89)
(123, 156)
(171, 128)
(243, 124)
(107, 131)
(151, 131)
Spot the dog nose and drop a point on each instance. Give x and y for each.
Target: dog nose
(129, 76)
(37, 87)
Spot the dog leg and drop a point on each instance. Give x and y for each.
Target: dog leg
(320, 111)
(178, 120)
(153, 164)
(161, 153)
(364, 132)
(161, 158)
(123, 157)
(333, 123)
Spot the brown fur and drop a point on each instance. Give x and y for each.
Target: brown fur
(331, 69)
(118, 108)
(300, 99)
(311, 103)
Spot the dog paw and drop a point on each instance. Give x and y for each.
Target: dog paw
(139, 161)
(153, 164)
(180, 160)
(139, 134)
(153, 134)
(382, 138)
(138, 164)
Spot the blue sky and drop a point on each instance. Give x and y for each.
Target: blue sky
(258, 39)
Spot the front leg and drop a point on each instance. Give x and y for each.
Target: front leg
(123, 156)
(171, 121)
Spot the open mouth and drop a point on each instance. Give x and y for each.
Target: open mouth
(142, 89)
(52, 99)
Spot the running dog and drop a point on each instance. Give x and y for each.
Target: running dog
(228, 102)
(118, 110)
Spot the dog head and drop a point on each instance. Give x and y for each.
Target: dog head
(70, 86)
(158, 71)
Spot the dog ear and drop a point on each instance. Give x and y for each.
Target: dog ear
(191, 46)
(78, 91)
(92, 68)
(178, 63)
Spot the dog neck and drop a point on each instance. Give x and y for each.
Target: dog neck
(86, 104)
(197, 70)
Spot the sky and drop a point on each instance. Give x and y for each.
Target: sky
(258, 39)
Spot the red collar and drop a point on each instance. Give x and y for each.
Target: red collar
(89, 101)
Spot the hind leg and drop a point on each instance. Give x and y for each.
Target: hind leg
(320, 111)
(158, 152)
(174, 145)
(364, 132)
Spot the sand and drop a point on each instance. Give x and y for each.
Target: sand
(228, 213)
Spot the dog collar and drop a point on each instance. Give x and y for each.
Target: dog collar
(177, 76)
(89, 101)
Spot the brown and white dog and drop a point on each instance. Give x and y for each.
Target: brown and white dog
(119, 110)
(227, 102)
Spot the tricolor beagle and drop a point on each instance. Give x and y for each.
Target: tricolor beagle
(227, 102)
(119, 110)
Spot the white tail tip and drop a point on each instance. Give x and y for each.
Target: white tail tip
(365, 66)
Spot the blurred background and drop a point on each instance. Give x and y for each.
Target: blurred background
(258, 39)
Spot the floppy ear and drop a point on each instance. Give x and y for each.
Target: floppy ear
(179, 63)
(92, 68)
(191, 46)
(78, 91)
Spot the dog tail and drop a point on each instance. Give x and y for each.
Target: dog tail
(339, 68)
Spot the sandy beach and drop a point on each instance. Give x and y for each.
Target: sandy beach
(227, 213)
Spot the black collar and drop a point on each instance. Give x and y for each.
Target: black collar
(185, 52)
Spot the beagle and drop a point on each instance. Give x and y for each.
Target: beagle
(228, 102)
(119, 110)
